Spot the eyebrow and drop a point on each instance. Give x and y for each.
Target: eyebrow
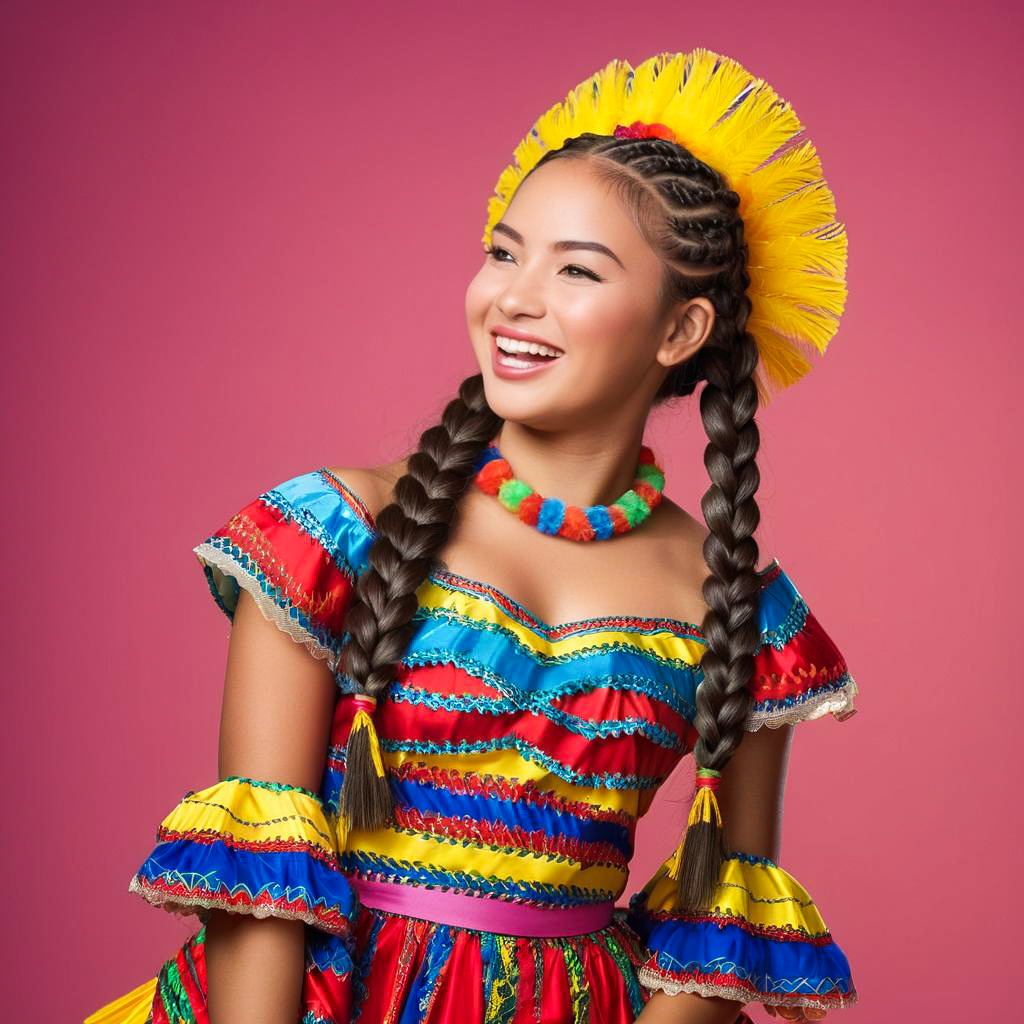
(558, 246)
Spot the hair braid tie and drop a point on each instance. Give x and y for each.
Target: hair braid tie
(360, 806)
(704, 825)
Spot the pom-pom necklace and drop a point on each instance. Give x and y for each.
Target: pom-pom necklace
(494, 476)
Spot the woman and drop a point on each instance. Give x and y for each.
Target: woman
(441, 722)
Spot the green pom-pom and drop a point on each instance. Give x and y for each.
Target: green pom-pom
(651, 475)
(512, 492)
(634, 508)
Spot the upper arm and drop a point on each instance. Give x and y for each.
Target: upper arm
(277, 706)
(752, 789)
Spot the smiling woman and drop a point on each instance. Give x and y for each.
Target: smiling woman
(442, 723)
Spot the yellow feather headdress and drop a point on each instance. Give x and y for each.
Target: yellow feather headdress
(737, 124)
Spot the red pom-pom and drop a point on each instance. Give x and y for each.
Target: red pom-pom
(620, 524)
(650, 494)
(493, 475)
(646, 456)
(529, 508)
(575, 524)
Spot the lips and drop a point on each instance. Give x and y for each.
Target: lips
(520, 362)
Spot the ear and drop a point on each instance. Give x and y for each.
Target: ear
(689, 327)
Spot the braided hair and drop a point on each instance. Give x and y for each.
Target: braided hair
(689, 215)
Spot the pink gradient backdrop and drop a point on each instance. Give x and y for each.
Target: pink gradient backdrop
(238, 241)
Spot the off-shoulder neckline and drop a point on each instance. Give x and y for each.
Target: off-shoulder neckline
(503, 600)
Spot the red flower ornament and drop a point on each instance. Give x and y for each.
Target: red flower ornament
(643, 130)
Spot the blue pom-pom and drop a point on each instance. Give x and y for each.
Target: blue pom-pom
(550, 515)
(489, 454)
(597, 516)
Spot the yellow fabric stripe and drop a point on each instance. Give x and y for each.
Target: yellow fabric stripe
(131, 1008)
(465, 856)
(662, 642)
(255, 814)
(509, 764)
(758, 893)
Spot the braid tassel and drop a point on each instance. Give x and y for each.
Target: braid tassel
(697, 860)
(366, 800)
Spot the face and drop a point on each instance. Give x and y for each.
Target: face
(571, 277)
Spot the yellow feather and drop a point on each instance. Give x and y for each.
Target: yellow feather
(737, 124)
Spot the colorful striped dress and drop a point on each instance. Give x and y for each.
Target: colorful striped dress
(521, 755)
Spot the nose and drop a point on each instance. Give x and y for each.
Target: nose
(523, 295)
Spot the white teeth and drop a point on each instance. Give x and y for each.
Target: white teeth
(533, 347)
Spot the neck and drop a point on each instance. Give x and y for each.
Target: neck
(579, 467)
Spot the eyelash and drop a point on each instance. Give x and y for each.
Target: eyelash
(492, 249)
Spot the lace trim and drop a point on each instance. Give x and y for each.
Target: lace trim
(283, 618)
(655, 981)
(789, 710)
(165, 901)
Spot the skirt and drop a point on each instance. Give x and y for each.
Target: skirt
(409, 970)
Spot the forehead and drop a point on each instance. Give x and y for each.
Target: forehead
(566, 199)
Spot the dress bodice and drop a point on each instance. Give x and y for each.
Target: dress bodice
(523, 754)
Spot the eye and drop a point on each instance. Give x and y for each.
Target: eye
(583, 271)
(493, 250)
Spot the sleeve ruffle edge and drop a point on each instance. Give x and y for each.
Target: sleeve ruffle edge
(249, 847)
(762, 941)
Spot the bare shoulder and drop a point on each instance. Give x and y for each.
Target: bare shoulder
(686, 535)
(374, 485)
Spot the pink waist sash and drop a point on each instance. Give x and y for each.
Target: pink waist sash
(479, 912)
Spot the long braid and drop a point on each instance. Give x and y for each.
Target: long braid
(690, 216)
(411, 531)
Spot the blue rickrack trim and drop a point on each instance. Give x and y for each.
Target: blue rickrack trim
(376, 866)
(250, 567)
(605, 780)
(659, 734)
(789, 627)
(773, 703)
(308, 522)
(526, 699)
(751, 858)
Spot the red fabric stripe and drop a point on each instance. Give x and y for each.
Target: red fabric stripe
(459, 998)
(810, 660)
(293, 561)
(556, 1004)
(629, 754)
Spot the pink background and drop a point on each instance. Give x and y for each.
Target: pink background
(238, 241)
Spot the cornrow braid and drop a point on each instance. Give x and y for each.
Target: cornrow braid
(410, 533)
(689, 215)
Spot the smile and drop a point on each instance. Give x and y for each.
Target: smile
(513, 357)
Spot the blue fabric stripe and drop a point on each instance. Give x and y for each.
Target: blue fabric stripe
(770, 965)
(781, 611)
(218, 868)
(505, 657)
(429, 798)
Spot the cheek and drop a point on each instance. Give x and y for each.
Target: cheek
(608, 324)
(479, 297)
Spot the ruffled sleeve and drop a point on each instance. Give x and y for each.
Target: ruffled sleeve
(250, 847)
(763, 941)
(799, 672)
(297, 549)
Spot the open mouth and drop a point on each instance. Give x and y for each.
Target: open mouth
(514, 354)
